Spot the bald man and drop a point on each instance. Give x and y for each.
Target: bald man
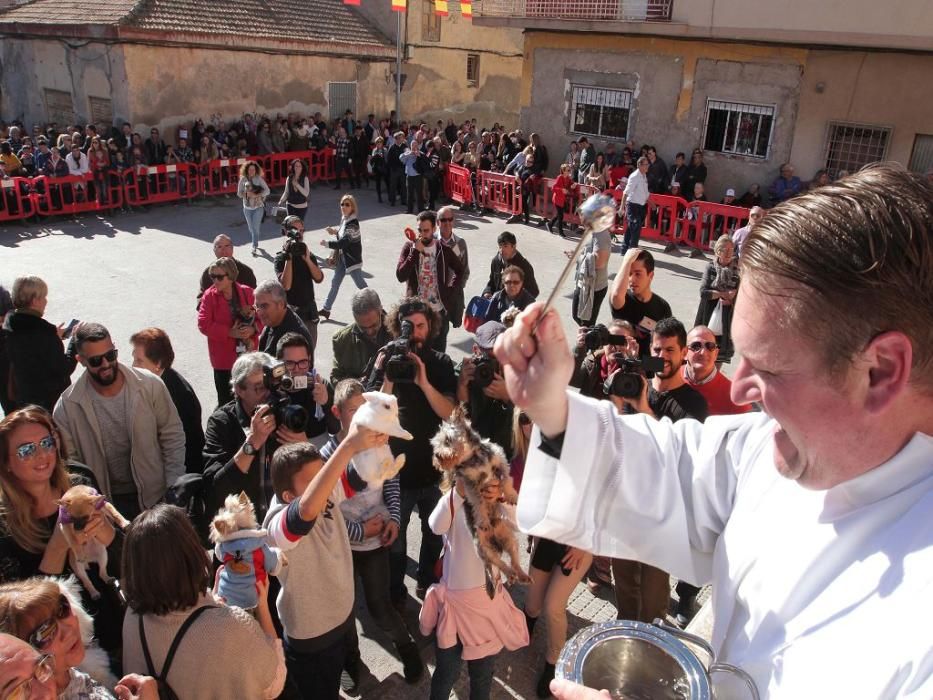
(223, 248)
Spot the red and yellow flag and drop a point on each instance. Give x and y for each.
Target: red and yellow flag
(466, 9)
(399, 5)
(440, 7)
(351, 2)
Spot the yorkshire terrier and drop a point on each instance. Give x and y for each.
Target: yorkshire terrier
(460, 452)
(76, 507)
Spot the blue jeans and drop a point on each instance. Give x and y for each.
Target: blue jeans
(447, 672)
(254, 223)
(634, 220)
(425, 499)
(340, 271)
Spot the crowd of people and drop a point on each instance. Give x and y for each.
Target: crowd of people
(282, 437)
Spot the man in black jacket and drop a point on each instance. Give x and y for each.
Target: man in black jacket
(397, 170)
(298, 269)
(277, 317)
(223, 248)
(509, 255)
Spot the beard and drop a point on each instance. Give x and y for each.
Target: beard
(104, 381)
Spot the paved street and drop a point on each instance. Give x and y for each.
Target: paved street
(141, 269)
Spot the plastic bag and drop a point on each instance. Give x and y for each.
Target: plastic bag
(715, 320)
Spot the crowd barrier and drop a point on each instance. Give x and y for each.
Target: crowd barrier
(458, 184)
(25, 197)
(501, 193)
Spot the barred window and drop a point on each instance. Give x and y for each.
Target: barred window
(598, 111)
(430, 22)
(340, 98)
(472, 75)
(101, 111)
(59, 108)
(738, 128)
(850, 147)
(921, 158)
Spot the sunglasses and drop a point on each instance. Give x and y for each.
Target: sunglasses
(42, 673)
(446, 219)
(217, 278)
(43, 636)
(97, 360)
(697, 346)
(29, 449)
(345, 204)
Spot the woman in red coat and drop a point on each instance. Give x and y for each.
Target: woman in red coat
(562, 195)
(226, 316)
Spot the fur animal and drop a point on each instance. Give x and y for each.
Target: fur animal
(243, 549)
(376, 465)
(76, 507)
(461, 452)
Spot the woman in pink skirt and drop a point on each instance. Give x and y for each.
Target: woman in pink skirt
(468, 625)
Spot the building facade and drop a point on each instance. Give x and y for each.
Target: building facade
(165, 64)
(754, 84)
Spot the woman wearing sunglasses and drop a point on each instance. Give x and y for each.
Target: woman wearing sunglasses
(718, 289)
(34, 474)
(348, 252)
(227, 318)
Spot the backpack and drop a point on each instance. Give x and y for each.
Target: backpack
(165, 690)
(192, 493)
(475, 314)
(422, 167)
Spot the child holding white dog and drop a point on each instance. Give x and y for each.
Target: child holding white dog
(369, 543)
(315, 604)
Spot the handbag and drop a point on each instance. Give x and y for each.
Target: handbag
(715, 320)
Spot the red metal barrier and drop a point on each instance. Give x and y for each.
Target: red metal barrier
(498, 192)
(321, 166)
(662, 221)
(16, 201)
(457, 184)
(704, 222)
(76, 194)
(279, 163)
(157, 184)
(221, 176)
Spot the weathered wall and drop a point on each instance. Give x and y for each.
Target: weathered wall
(436, 79)
(671, 81)
(877, 89)
(91, 70)
(230, 83)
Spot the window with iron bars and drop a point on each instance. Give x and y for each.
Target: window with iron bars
(602, 112)
(472, 75)
(850, 147)
(738, 128)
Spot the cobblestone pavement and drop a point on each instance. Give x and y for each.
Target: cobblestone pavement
(140, 269)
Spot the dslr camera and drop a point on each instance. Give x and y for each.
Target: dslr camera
(276, 379)
(597, 336)
(627, 381)
(485, 370)
(399, 367)
(294, 245)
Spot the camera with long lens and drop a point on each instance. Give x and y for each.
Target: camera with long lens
(292, 416)
(627, 381)
(597, 336)
(484, 370)
(399, 367)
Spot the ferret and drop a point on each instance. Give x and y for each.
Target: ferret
(461, 452)
(76, 507)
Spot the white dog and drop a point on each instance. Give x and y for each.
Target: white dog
(375, 465)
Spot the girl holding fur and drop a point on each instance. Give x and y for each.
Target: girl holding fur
(469, 625)
(34, 475)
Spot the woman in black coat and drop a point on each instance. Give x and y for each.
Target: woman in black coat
(720, 285)
(40, 369)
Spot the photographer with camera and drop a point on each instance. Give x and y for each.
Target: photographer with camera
(299, 270)
(481, 388)
(306, 389)
(242, 435)
(425, 384)
(597, 355)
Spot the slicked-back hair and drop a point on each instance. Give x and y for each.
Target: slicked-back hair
(851, 260)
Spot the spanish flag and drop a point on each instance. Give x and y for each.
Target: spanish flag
(399, 5)
(351, 2)
(440, 7)
(466, 9)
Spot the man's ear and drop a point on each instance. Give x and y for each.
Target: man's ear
(288, 496)
(889, 358)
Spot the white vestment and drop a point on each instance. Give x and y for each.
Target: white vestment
(816, 594)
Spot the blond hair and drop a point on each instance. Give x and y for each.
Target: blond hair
(27, 289)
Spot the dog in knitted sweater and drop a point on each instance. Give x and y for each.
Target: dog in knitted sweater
(460, 452)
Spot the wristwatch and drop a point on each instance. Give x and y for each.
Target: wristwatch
(248, 449)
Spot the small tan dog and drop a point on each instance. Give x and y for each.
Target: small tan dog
(76, 508)
(462, 453)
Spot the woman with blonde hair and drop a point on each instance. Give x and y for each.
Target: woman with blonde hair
(348, 247)
(253, 190)
(34, 474)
